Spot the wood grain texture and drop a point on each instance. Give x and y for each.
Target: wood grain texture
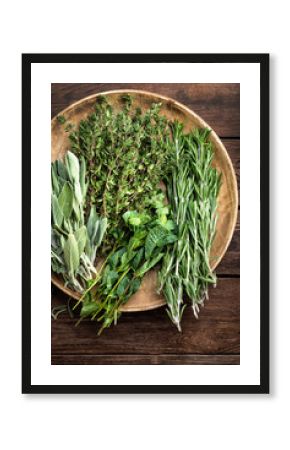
(217, 103)
(149, 337)
(145, 359)
(152, 333)
(230, 264)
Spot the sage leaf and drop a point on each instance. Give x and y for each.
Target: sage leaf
(67, 226)
(61, 169)
(54, 181)
(78, 192)
(102, 226)
(56, 211)
(72, 166)
(96, 228)
(91, 223)
(81, 238)
(71, 254)
(77, 210)
(65, 200)
(54, 240)
(88, 249)
(82, 177)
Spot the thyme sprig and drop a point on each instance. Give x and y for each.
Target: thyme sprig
(126, 154)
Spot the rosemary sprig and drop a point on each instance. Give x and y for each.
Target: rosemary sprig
(192, 189)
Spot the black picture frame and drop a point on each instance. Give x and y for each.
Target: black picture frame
(27, 61)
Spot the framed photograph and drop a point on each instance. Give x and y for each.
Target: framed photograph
(145, 223)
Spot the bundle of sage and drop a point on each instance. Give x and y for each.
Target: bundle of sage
(74, 241)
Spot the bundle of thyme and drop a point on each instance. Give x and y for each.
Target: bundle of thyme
(126, 156)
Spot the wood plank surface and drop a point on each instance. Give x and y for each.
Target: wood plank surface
(217, 103)
(230, 264)
(149, 337)
(145, 359)
(151, 332)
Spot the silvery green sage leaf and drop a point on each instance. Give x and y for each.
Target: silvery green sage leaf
(100, 231)
(82, 177)
(61, 169)
(65, 200)
(71, 254)
(67, 226)
(78, 192)
(96, 227)
(81, 238)
(77, 209)
(91, 223)
(54, 181)
(72, 166)
(56, 211)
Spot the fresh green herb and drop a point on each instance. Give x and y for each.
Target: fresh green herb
(126, 155)
(68, 127)
(126, 266)
(192, 190)
(61, 119)
(74, 243)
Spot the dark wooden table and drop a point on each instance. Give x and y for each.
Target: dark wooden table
(149, 337)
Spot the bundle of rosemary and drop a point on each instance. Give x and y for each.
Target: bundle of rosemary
(192, 190)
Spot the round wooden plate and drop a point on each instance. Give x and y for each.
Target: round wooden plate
(146, 298)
